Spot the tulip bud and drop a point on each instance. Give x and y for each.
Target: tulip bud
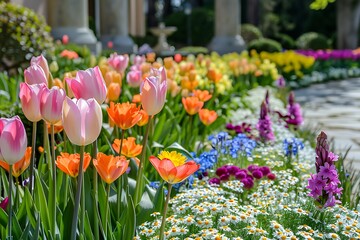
(153, 92)
(82, 120)
(42, 62)
(51, 103)
(54, 67)
(133, 78)
(35, 74)
(114, 92)
(30, 96)
(13, 140)
(88, 84)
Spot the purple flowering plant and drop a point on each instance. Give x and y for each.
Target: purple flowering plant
(324, 184)
(264, 125)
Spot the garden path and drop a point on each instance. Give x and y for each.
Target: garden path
(334, 107)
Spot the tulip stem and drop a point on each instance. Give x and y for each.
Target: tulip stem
(139, 177)
(95, 187)
(10, 203)
(78, 195)
(105, 220)
(53, 209)
(162, 228)
(119, 180)
(32, 160)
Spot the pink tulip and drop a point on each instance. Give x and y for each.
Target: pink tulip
(51, 104)
(30, 96)
(88, 84)
(138, 60)
(35, 74)
(42, 62)
(13, 140)
(153, 91)
(133, 78)
(118, 62)
(82, 120)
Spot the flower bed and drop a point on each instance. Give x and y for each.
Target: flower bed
(113, 136)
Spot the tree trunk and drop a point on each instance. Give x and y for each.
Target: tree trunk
(348, 20)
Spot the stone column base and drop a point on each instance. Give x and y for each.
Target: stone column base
(227, 44)
(121, 44)
(81, 36)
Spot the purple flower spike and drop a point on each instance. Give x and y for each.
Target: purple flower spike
(264, 125)
(324, 184)
(294, 115)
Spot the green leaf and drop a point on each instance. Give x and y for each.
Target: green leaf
(87, 227)
(29, 207)
(3, 218)
(128, 230)
(41, 203)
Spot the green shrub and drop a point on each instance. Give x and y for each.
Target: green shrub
(312, 40)
(23, 34)
(285, 40)
(202, 26)
(265, 45)
(193, 50)
(250, 32)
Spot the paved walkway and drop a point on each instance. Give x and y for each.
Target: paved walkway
(334, 107)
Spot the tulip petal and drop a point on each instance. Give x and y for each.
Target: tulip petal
(71, 119)
(92, 121)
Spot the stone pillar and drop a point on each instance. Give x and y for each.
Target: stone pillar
(227, 21)
(114, 25)
(137, 18)
(69, 17)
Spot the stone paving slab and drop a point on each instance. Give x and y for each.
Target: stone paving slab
(334, 107)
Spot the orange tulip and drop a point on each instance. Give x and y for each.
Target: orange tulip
(109, 167)
(213, 75)
(136, 98)
(129, 147)
(20, 166)
(207, 117)
(124, 115)
(192, 105)
(145, 118)
(69, 163)
(202, 95)
(114, 91)
(172, 166)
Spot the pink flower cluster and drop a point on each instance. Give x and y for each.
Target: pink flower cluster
(324, 184)
(245, 175)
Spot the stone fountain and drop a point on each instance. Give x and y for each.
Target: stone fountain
(162, 32)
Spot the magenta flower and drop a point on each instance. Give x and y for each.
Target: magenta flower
(264, 125)
(4, 203)
(88, 84)
(294, 115)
